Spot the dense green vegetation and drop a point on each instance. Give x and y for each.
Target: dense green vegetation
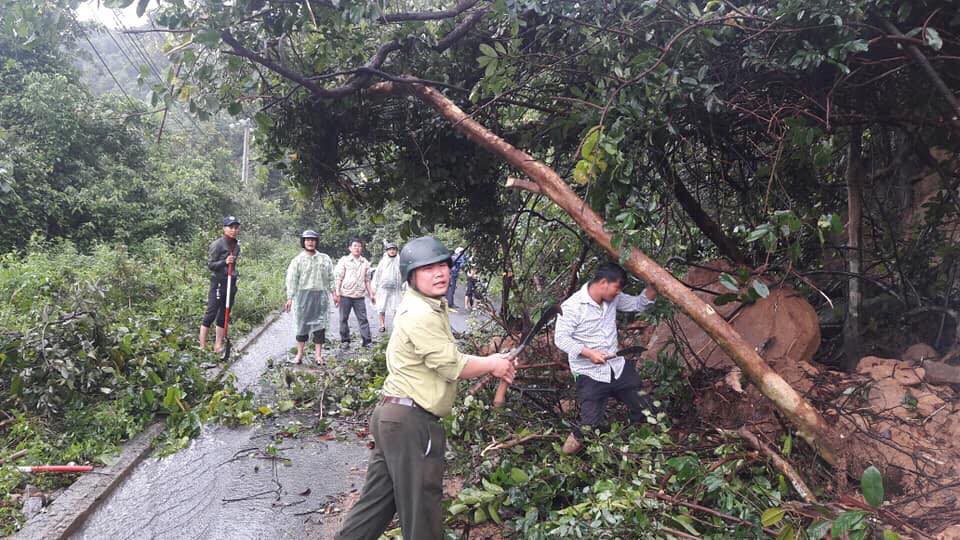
(103, 262)
(813, 142)
(95, 345)
(695, 129)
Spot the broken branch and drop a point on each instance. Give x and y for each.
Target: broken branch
(780, 464)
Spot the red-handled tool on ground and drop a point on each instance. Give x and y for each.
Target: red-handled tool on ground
(55, 468)
(226, 312)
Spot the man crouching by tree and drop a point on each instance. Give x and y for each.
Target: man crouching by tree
(222, 253)
(405, 474)
(587, 332)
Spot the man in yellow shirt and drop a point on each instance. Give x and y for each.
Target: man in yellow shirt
(405, 474)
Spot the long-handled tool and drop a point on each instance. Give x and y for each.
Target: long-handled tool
(55, 468)
(548, 315)
(226, 312)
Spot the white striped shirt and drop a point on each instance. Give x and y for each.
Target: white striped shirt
(585, 323)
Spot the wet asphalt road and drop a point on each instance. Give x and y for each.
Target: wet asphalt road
(219, 488)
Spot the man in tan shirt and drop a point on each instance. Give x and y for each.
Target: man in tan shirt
(405, 475)
(350, 290)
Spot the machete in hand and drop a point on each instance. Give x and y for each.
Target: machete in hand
(500, 396)
(545, 318)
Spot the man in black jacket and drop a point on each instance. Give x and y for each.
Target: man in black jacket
(223, 251)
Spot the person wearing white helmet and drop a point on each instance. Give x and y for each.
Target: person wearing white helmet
(309, 283)
(386, 282)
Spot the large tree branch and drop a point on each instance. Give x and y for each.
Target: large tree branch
(704, 222)
(460, 30)
(812, 427)
(461, 6)
(360, 80)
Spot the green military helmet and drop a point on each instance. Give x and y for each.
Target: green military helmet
(309, 233)
(421, 252)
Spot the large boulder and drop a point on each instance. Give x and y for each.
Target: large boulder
(782, 327)
(919, 353)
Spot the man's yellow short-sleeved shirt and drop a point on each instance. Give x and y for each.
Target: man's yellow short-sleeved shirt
(422, 357)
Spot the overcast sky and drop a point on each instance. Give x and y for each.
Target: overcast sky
(94, 11)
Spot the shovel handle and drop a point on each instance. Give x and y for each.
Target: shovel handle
(55, 468)
(500, 396)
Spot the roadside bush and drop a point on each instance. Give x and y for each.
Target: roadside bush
(94, 345)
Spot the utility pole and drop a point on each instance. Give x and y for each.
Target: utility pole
(245, 167)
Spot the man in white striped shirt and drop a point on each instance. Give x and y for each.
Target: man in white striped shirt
(587, 332)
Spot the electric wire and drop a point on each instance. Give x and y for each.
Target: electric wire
(105, 66)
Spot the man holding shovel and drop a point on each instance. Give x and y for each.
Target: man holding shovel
(221, 256)
(587, 331)
(405, 475)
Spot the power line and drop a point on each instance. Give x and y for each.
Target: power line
(139, 47)
(104, 62)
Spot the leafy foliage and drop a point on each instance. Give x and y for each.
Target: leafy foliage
(95, 345)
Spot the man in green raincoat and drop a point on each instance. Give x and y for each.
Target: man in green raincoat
(309, 283)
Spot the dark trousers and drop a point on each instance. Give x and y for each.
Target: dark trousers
(452, 290)
(319, 337)
(405, 476)
(359, 307)
(217, 301)
(593, 396)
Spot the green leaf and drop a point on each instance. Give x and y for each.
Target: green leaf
(170, 398)
(142, 7)
(494, 510)
(686, 523)
(772, 516)
(871, 484)
(845, 523)
(729, 282)
(818, 529)
(457, 508)
(519, 476)
(479, 515)
(491, 487)
(890, 535)
(725, 298)
(487, 50)
(758, 233)
(590, 142)
(761, 288)
(491, 68)
(786, 533)
(235, 108)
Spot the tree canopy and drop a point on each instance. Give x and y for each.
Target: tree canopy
(693, 128)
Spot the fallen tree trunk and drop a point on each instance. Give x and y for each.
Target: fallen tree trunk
(810, 424)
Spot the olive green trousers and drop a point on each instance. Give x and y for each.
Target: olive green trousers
(405, 477)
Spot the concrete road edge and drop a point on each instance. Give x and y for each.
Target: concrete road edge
(65, 514)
